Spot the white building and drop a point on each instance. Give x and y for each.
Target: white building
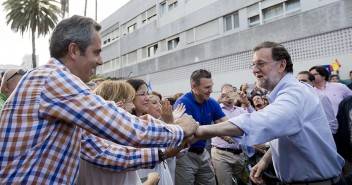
(27, 61)
(163, 41)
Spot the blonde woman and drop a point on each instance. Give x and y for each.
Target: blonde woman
(122, 94)
(161, 109)
(119, 92)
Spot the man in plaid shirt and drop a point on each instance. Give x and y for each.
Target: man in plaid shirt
(48, 116)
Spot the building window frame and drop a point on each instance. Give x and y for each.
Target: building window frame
(131, 28)
(162, 8)
(173, 43)
(173, 5)
(254, 21)
(152, 50)
(231, 21)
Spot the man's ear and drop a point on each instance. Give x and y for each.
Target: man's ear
(193, 87)
(73, 50)
(6, 88)
(283, 64)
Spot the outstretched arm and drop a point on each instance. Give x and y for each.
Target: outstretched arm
(220, 129)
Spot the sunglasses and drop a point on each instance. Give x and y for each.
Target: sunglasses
(20, 72)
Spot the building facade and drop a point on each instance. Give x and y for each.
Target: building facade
(163, 41)
(27, 62)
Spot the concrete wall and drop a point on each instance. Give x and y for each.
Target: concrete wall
(328, 19)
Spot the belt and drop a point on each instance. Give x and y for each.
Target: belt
(330, 181)
(232, 150)
(196, 150)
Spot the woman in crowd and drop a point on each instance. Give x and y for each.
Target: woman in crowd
(151, 104)
(154, 105)
(141, 99)
(122, 94)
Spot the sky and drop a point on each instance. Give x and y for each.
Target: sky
(15, 46)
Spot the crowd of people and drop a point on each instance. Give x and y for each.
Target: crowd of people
(60, 127)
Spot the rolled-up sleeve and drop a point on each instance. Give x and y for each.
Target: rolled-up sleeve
(270, 122)
(111, 156)
(64, 99)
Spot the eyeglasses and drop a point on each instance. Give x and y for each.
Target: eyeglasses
(20, 72)
(143, 94)
(259, 64)
(257, 98)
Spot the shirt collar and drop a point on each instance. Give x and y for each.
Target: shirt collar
(224, 107)
(282, 83)
(55, 62)
(194, 99)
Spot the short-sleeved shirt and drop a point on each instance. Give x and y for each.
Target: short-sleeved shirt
(205, 113)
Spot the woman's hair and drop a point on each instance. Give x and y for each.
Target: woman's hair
(156, 94)
(136, 83)
(115, 91)
(177, 96)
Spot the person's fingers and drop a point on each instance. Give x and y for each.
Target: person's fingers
(256, 175)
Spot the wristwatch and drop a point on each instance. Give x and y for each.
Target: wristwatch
(161, 154)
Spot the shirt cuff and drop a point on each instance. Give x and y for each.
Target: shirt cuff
(240, 123)
(177, 135)
(149, 157)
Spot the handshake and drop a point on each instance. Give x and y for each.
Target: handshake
(191, 130)
(189, 127)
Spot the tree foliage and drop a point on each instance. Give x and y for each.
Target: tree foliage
(35, 16)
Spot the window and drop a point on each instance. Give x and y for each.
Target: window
(149, 14)
(173, 5)
(273, 12)
(117, 33)
(152, 50)
(162, 8)
(171, 44)
(131, 28)
(231, 21)
(254, 21)
(292, 5)
(130, 58)
(144, 16)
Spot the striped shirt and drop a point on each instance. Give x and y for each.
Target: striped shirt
(42, 123)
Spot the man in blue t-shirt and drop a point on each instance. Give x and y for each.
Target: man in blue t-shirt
(194, 167)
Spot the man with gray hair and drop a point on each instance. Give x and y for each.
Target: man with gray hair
(52, 108)
(302, 147)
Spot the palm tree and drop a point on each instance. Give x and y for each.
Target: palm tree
(65, 7)
(35, 16)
